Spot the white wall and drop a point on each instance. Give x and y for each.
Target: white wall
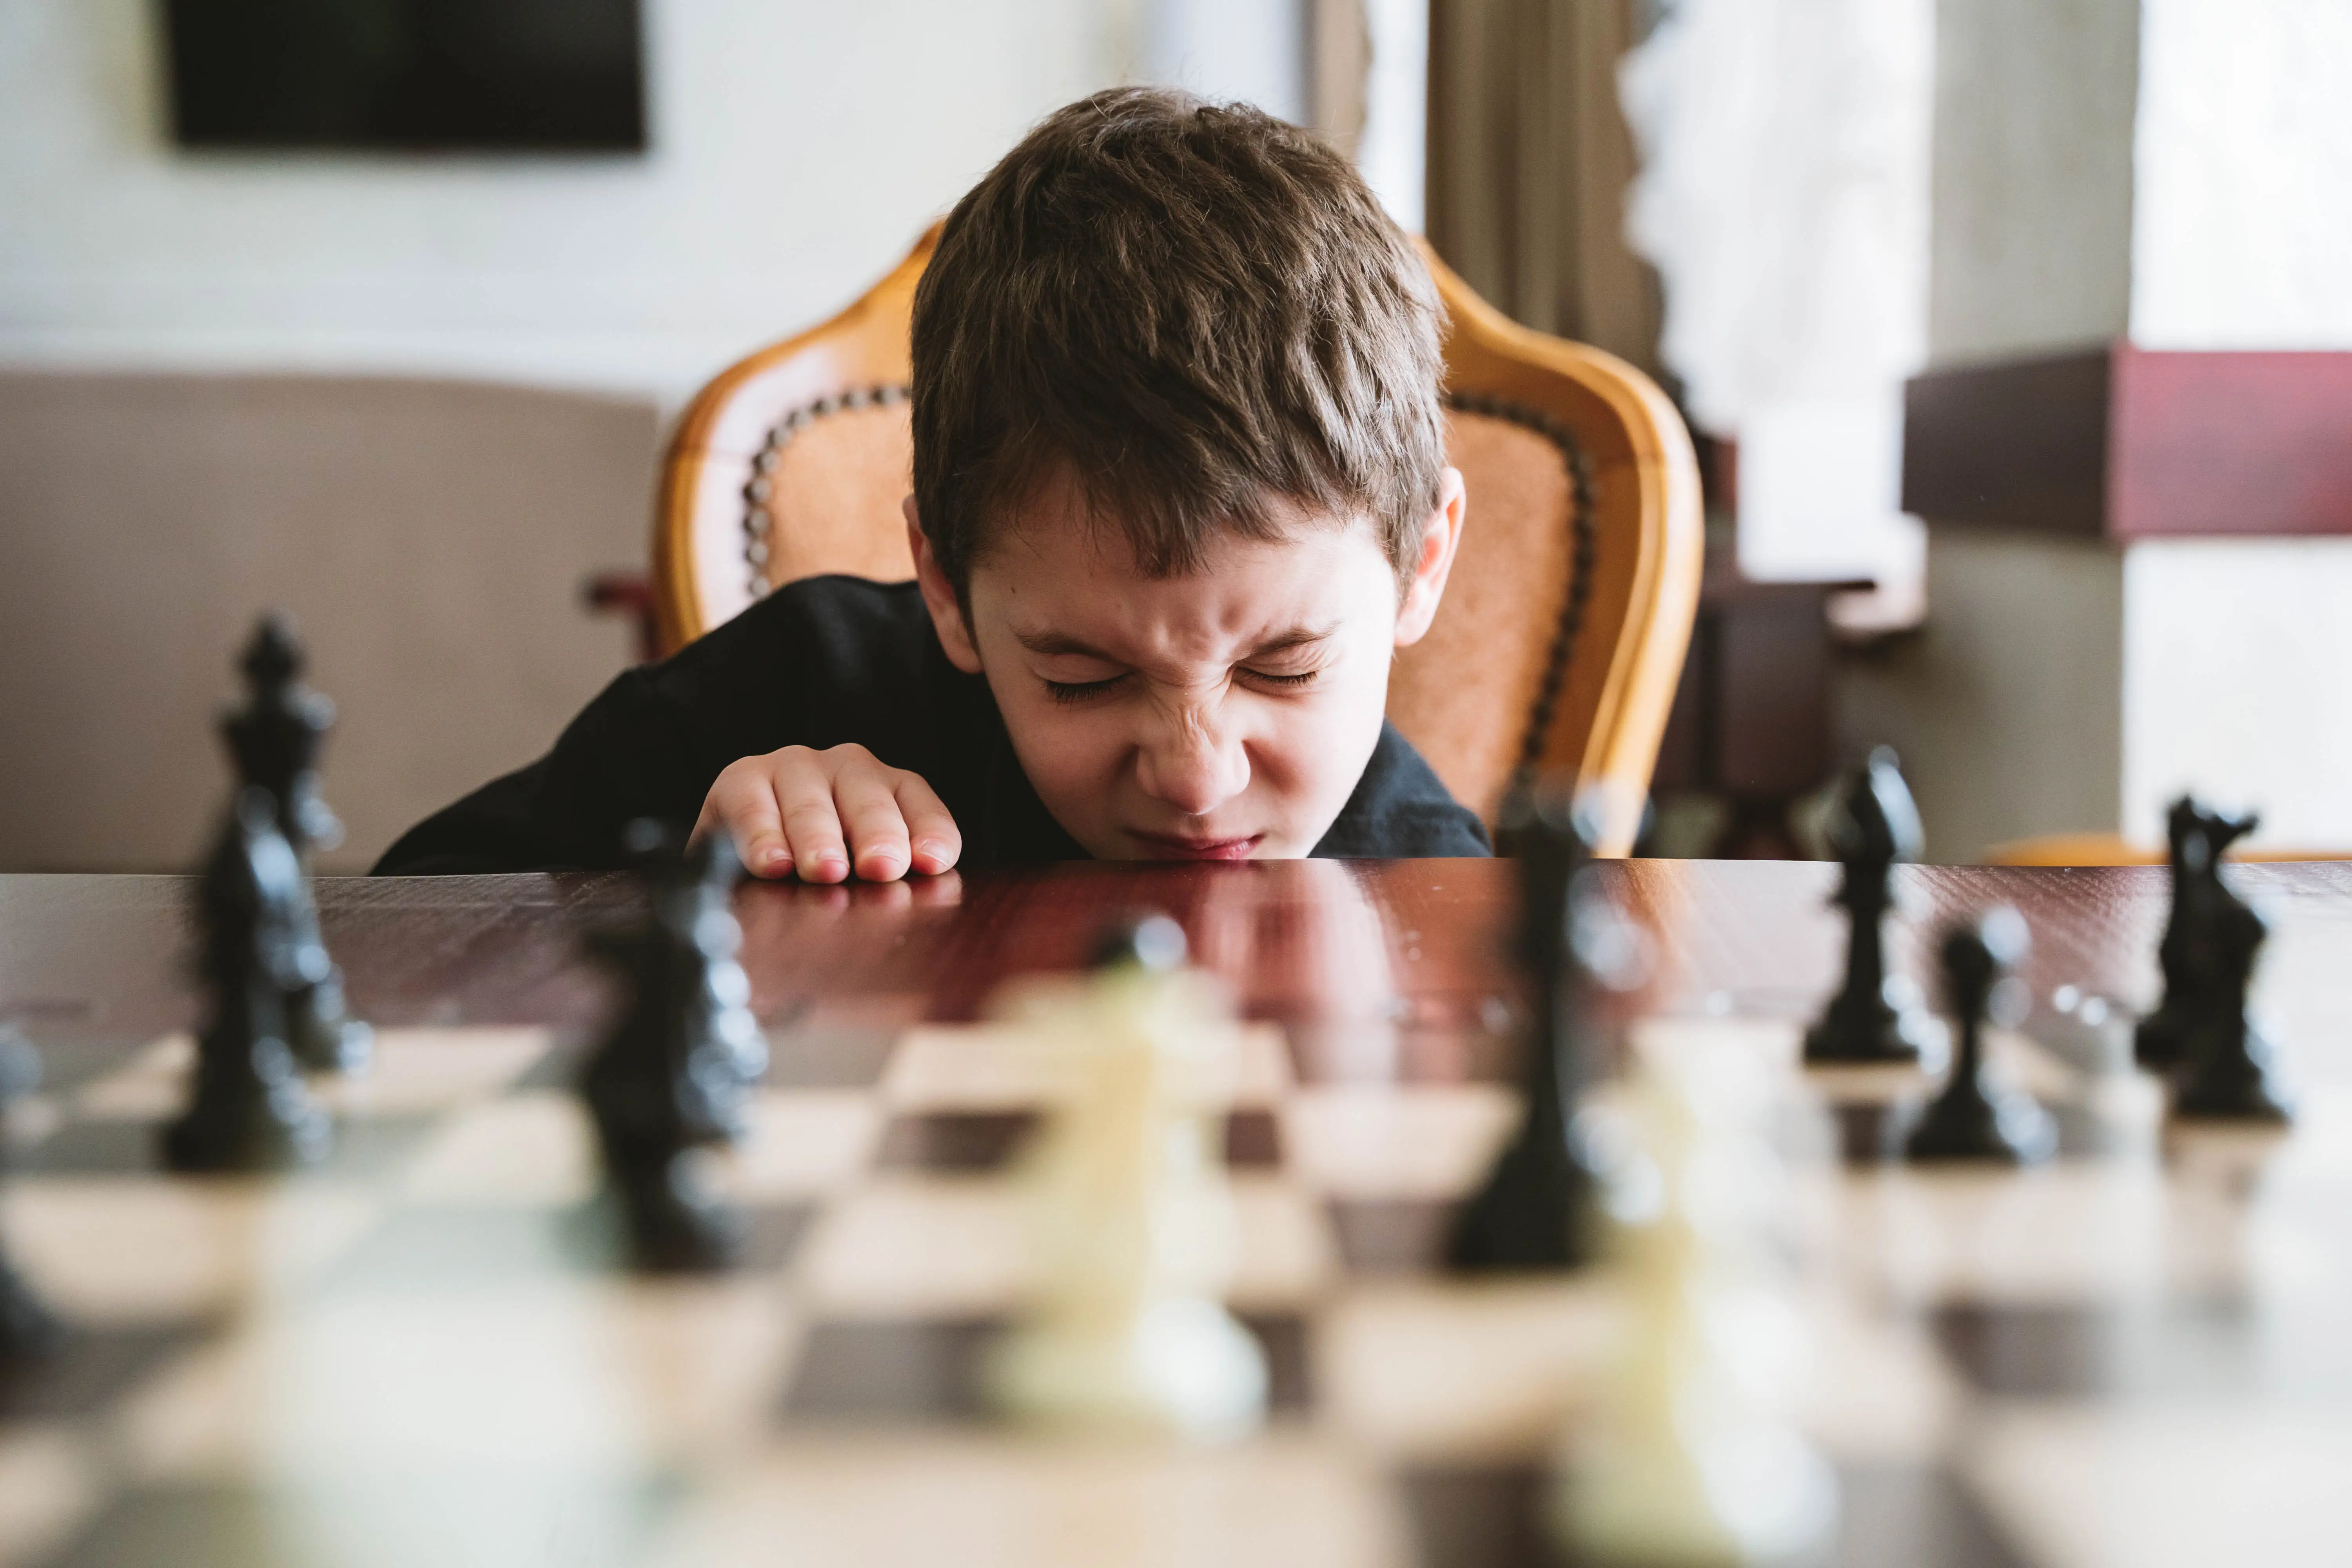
(1394, 152)
(2242, 233)
(1254, 51)
(2034, 106)
(2238, 683)
(797, 148)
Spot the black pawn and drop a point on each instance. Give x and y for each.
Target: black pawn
(2196, 839)
(1874, 826)
(1974, 1117)
(27, 1331)
(673, 1070)
(1535, 1210)
(275, 739)
(250, 1110)
(2228, 1070)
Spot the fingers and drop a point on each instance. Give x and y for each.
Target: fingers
(932, 832)
(743, 801)
(813, 826)
(828, 814)
(870, 816)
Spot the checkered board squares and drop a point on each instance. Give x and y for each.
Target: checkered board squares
(420, 1353)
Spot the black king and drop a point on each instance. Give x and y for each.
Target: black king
(275, 740)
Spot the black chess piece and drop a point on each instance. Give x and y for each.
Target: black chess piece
(1535, 1211)
(250, 1110)
(2227, 1070)
(2196, 839)
(674, 1069)
(1974, 1117)
(2155, 1043)
(27, 1330)
(1875, 825)
(275, 739)
(710, 871)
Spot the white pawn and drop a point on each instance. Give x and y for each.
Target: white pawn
(1135, 1235)
(1689, 1461)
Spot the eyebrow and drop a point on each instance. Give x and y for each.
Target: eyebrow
(1051, 644)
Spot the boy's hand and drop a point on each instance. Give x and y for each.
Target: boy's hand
(822, 812)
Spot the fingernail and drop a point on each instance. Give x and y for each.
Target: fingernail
(775, 860)
(932, 850)
(832, 865)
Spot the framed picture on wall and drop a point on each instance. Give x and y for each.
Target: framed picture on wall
(563, 76)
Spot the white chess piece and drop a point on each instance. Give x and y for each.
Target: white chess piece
(1135, 1232)
(1689, 1461)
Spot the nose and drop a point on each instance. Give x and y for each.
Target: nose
(1191, 760)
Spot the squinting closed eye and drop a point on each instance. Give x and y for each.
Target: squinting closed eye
(1081, 690)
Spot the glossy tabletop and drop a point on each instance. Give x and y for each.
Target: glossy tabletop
(2133, 1355)
(1300, 940)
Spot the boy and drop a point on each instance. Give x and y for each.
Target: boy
(1180, 492)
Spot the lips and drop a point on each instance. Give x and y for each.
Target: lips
(1169, 846)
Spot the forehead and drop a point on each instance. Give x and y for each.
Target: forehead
(1056, 567)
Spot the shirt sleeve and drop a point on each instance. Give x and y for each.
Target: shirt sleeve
(817, 663)
(623, 757)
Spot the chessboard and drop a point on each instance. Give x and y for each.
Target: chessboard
(421, 1352)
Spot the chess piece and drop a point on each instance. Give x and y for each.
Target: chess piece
(722, 1005)
(27, 1331)
(250, 1110)
(1687, 1458)
(1872, 1018)
(1975, 1117)
(1533, 1213)
(2227, 1068)
(674, 1068)
(2197, 839)
(275, 740)
(1135, 1233)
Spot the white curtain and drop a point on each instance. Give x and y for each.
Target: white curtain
(1783, 194)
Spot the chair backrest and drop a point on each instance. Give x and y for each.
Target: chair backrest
(1562, 633)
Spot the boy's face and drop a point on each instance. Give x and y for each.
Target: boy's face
(1226, 715)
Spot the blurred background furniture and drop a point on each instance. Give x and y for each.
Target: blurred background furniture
(2114, 849)
(1563, 632)
(1753, 729)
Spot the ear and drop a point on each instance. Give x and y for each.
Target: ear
(1439, 540)
(940, 597)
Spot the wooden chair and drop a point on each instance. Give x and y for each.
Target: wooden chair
(1562, 633)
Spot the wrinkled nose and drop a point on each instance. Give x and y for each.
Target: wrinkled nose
(1190, 762)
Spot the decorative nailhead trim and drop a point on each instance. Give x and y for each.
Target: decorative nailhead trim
(1585, 548)
(758, 487)
(1585, 554)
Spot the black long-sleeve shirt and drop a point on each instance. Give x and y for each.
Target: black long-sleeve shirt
(829, 661)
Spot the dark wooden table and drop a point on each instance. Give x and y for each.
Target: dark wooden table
(1301, 940)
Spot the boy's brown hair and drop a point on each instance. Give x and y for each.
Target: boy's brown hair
(1192, 309)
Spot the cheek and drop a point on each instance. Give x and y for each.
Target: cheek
(1318, 748)
(1065, 751)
